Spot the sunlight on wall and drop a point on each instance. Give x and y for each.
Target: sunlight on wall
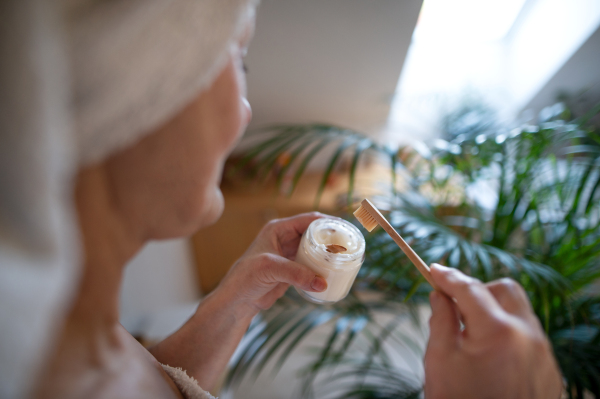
(467, 20)
(456, 49)
(497, 51)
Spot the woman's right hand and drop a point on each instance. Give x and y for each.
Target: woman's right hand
(502, 352)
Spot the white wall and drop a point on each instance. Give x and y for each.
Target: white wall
(543, 40)
(335, 61)
(579, 75)
(161, 276)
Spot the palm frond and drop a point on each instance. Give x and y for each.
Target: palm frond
(539, 224)
(286, 152)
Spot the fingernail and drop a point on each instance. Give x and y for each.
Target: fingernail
(440, 268)
(318, 284)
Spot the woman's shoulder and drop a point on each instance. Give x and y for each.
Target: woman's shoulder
(105, 365)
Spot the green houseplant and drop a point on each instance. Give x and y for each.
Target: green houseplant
(522, 202)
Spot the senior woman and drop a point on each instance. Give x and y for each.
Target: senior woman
(159, 102)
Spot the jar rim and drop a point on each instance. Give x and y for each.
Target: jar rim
(338, 258)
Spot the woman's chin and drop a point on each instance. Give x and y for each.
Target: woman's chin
(192, 217)
(213, 211)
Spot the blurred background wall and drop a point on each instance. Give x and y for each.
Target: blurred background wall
(160, 277)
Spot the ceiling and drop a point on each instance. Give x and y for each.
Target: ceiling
(334, 61)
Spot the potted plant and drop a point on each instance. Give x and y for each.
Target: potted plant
(521, 202)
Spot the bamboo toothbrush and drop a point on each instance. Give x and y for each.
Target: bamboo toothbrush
(370, 217)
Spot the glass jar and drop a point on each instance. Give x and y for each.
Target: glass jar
(335, 250)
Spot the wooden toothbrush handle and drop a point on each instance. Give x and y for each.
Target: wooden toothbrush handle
(408, 251)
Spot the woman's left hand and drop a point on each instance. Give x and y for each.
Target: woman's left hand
(205, 343)
(267, 268)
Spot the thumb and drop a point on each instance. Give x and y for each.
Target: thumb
(444, 324)
(277, 269)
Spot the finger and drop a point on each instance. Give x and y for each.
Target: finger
(297, 224)
(288, 232)
(279, 290)
(269, 299)
(478, 308)
(511, 296)
(282, 236)
(444, 324)
(277, 269)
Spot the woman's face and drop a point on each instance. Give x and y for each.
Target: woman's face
(169, 181)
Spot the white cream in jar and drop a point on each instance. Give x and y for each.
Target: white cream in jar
(334, 249)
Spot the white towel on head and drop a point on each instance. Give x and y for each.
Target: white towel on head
(137, 62)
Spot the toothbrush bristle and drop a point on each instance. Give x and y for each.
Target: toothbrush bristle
(365, 218)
